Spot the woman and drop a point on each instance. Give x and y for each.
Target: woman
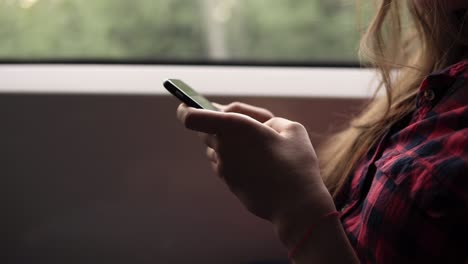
(398, 175)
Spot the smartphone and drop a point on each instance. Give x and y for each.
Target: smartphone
(187, 95)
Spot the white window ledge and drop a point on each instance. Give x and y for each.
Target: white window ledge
(209, 80)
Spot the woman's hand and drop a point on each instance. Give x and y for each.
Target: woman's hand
(270, 165)
(267, 162)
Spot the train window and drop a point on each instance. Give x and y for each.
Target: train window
(260, 31)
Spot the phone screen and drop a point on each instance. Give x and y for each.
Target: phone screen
(188, 96)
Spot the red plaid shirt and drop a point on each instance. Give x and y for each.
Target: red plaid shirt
(408, 199)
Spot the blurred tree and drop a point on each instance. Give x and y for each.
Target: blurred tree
(260, 30)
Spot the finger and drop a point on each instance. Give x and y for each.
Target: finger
(213, 122)
(257, 113)
(212, 156)
(197, 119)
(285, 127)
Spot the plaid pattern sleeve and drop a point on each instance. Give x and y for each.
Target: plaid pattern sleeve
(407, 201)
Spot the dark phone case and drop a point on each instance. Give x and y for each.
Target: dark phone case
(184, 98)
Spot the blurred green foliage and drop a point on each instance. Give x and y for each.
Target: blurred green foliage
(247, 30)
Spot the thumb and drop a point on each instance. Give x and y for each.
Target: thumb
(214, 122)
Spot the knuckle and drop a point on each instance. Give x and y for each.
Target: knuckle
(209, 151)
(234, 106)
(275, 119)
(211, 154)
(295, 126)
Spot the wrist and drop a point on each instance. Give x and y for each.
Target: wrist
(293, 222)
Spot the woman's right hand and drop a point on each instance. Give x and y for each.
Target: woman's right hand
(270, 164)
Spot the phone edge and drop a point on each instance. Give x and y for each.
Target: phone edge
(172, 88)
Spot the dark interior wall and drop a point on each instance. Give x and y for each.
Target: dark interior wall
(116, 179)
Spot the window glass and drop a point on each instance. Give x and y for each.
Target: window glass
(303, 31)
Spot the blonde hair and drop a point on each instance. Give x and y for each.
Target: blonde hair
(403, 40)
